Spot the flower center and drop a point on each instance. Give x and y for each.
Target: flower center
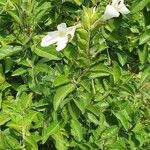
(62, 33)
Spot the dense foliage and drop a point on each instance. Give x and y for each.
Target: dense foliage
(93, 95)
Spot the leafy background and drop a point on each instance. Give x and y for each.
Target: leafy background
(92, 95)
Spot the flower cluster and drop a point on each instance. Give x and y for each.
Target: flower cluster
(63, 35)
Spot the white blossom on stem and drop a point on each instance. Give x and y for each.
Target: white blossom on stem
(61, 37)
(115, 9)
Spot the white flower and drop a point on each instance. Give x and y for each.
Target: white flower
(115, 9)
(60, 37)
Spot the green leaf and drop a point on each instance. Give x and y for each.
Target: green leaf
(51, 129)
(93, 119)
(76, 130)
(79, 2)
(61, 93)
(31, 141)
(4, 118)
(26, 101)
(48, 53)
(122, 118)
(15, 16)
(60, 80)
(8, 64)
(61, 143)
(13, 142)
(143, 54)
(116, 72)
(145, 37)
(139, 5)
(80, 104)
(110, 132)
(100, 68)
(9, 50)
(122, 57)
(19, 71)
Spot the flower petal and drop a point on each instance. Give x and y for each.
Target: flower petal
(71, 31)
(123, 9)
(62, 42)
(62, 27)
(110, 12)
(50, 38)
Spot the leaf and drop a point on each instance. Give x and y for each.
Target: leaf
(93, 119)
(86, 18)
(8, 64)
(122, 57)
(61, 93)
(76, 130)
(79, 2)
(19, 71)
(60, 80)
(18, 123)
(13, 142)
(33, 139)
(60, 141)
(110, 132)
(73, 111)
(100, 68)
(116, 72)
(145, 37)
(122, 118)
(52, 128)
(26, 100)
(139, 5)
(48, 53)
(143, 54)
(4, 118)
(9, 50)
(70, 7)
(41, 10)
(80, 104)
(119, 144)
(14, 15)
(94, 75)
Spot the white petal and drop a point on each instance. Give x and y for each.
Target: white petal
(62, 27)
(62, 43)
(110, 12)
(50, 38)
(71, 31)
(123, 9)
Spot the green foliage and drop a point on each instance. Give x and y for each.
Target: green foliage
(93, 95)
